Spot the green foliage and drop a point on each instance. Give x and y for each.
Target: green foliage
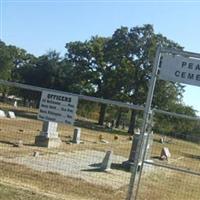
(117, 67)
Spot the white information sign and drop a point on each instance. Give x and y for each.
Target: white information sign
(180, 69)
(57, 107)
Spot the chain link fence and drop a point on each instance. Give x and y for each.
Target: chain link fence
(90, 160)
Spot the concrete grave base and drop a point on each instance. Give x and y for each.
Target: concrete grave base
(43, 141)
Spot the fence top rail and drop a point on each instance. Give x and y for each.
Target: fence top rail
(80, 96)
(179, 52)
(94, 99)
(197, 118)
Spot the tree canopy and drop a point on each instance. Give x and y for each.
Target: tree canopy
(116, 67)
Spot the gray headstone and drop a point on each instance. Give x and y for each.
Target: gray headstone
(107, 161)
(77, 136)
(165, 154)
(49, 129)
(11, 115)
(2, 113)
(149, 146)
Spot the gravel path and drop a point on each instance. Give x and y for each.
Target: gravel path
(78, 164)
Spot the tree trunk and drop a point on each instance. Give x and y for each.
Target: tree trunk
(102, 114)
(3, 96)
(132, 122)
(119, 115)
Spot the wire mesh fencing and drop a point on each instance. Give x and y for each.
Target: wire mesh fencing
(86, 160)
(173, 170)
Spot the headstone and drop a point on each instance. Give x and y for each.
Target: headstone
(112, 123)
(104, 141)
(107, 161)
(49, 130)
(162, 140)
(36, 153)
(19, 143)
(48, 136)
(149, 147)
(2, 113)
(76, 136)
(15, 104)
(11, 115)
(132, 157)
(165, 154)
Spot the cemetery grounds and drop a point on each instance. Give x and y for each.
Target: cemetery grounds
(70, 172)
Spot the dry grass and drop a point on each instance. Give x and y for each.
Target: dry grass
(158, 184)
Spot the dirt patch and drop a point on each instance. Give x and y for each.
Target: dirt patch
(78, 164)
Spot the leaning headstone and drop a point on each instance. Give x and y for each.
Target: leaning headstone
(2, 113)
(11, 115)
(77, 136)
(104, 141)
(165, 154)
(107, 161)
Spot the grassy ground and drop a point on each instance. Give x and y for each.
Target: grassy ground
(18, 181)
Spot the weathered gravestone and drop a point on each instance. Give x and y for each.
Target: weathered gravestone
(48, 136)
(107, 161)
(165, 154)
(132, 157)
(2, 113)
(11, 115)
(77, 136)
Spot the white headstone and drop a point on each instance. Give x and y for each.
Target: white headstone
(2, 113)
(49, 129)
(11, 115)
(15, 104)
(77, 135)
(107, 161)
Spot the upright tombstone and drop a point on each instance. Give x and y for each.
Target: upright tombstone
(2, 113)
(132, 157)
(11, 115)
(77, 136)
(149, 147)
(107, 161)
(165, 154)
(48, 136)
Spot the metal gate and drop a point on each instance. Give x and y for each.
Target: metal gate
(169, 174)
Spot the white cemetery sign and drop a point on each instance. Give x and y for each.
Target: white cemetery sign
(180, 69)
(57, 107)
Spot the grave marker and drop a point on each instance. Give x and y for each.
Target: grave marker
(107, 161)
(77, 136)
(165, 154)
(2, 113)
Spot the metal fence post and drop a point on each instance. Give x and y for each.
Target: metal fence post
(135, 175)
